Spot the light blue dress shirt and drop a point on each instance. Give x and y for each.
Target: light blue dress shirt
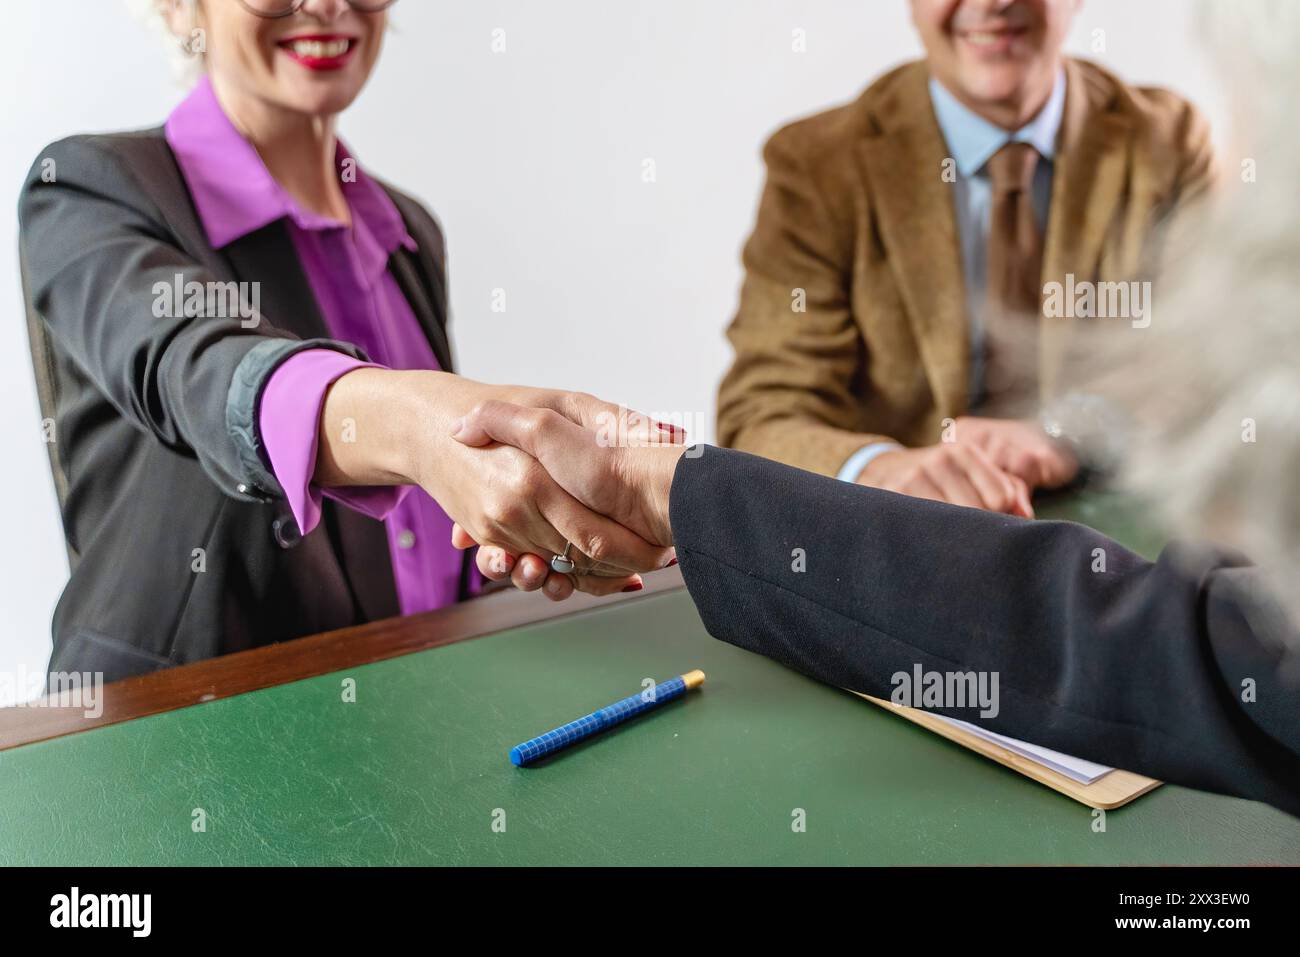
(972, 141)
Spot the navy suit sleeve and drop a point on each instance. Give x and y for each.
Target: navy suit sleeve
(1181, 669)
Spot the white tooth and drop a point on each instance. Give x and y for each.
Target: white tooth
(318, 49)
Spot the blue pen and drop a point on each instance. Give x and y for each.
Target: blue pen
(606, 717)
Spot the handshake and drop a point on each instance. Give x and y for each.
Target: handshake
(606, 474)
(574, 477)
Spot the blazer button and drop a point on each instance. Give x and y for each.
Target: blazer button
(252, 491)
(286, 531)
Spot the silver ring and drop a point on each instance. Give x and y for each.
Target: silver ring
(563, 563)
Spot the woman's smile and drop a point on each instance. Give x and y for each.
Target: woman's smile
(319, 51)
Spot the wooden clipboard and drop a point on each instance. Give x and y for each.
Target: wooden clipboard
(1111, 790)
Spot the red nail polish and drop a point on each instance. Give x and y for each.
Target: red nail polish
(635, 586)
(671, 563)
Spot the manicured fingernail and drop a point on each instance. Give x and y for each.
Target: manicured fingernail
(635, 586)
(671, 563)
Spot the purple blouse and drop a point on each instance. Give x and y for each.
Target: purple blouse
(360, 302)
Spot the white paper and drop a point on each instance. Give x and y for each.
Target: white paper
(1076, 769)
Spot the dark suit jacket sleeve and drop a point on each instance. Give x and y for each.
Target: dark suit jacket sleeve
(94, 247)
(1143, 666)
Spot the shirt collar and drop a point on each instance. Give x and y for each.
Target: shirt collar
(235, 194)
(973, 139)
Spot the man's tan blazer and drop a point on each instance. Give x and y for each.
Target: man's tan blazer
(852, 326)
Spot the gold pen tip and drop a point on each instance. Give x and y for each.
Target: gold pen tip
(693, 679)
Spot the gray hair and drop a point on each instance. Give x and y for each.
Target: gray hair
(1214, 383)
(186, 61)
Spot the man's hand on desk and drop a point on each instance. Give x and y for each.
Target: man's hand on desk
(1021, 448)
(949, 472)
(994, 464)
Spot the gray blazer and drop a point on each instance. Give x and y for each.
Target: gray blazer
(156, 453)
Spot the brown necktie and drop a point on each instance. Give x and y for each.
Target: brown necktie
(1014, 284)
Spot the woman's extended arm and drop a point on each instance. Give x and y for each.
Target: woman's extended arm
(386, 427)
(102, 263)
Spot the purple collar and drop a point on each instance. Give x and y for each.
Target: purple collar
(235, 194)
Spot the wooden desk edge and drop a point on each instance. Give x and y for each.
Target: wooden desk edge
(270, 665)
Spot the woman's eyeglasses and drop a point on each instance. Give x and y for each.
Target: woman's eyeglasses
(275, 9)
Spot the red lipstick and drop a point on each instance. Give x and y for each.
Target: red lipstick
(319, 51)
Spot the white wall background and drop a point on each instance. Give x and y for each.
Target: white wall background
(532, 159)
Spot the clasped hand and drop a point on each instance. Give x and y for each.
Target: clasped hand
(583, 473)
(522, 476)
